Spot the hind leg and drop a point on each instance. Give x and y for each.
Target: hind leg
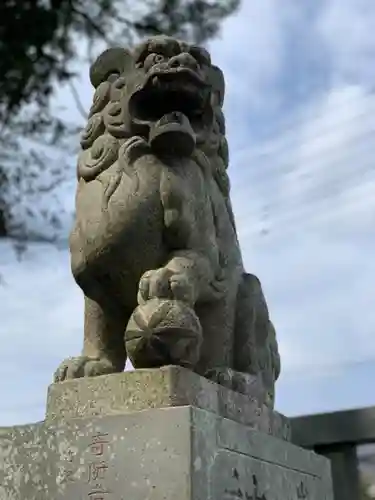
(255, 345)
(103, 348)
(217, 320)
(216, 362)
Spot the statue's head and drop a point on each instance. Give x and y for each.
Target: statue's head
(163, 85)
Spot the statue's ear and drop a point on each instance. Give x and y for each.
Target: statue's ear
(115, 60)
(217, 82)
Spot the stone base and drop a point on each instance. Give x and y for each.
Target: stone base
(160, 388)
(173, 452)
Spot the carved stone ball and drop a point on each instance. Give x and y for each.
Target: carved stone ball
(163, 332)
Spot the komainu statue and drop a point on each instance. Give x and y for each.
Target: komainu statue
(154, 246)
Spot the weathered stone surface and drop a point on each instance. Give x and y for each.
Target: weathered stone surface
(159, 454)
(158, 388)
(24, 464)
(154, 246)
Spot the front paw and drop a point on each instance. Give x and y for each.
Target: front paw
(165, 284)
(82, 366)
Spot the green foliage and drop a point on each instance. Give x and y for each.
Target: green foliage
(38, 51)
(38, 37)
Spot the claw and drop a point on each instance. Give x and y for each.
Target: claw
(165, 284)
(82, 366)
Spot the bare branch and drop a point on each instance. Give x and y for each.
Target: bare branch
(77, 100)
(87, 19)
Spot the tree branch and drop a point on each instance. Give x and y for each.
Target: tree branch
(95, 27)
(77, 100)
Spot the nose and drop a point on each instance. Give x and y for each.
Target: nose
(184, 60)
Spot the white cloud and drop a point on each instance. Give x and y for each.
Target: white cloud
(347, 28)
(305, 207)
(317, 168)
(41, 323)
(249, 51)
(305, 224)
(250, 48)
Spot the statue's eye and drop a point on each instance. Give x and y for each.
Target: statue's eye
(153, 59)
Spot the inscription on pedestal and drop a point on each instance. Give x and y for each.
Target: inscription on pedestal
(137, 457)
(163, 454)
(241, 494)
(97, 469)
(251, 479)
(85, 468)
(302, 492)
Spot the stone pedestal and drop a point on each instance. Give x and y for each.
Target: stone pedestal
(156, 434)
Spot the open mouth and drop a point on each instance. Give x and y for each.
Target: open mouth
(166, 92)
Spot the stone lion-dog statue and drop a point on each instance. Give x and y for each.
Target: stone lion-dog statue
(154, 246)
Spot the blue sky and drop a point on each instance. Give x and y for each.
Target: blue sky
(300, 111)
